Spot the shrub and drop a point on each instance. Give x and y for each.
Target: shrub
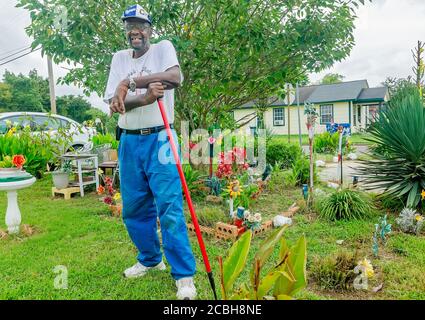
(398, 164)
(329, 143)
(284, 153)
(37, 149)
(101, 139)
(345, 204)
(301, 171)
(410, 221)
(195, 181)
(335, 272)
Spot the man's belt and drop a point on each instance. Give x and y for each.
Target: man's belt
(146, 131)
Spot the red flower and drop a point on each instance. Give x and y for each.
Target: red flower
(100, 190)
(108, 200)
(18, 161)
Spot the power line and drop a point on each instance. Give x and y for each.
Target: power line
(2, 64)
(14, 54)
(6, 52)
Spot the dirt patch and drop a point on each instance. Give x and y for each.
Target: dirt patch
(26, 231)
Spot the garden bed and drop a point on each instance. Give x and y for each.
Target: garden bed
(226, 231)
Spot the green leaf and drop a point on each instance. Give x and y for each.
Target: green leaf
(236, 260)
(296, 266)
(266, 249)
(269, 281)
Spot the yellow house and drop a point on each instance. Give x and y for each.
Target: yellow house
(351, 103)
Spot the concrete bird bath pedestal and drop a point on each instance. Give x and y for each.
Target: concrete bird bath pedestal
(11, 183)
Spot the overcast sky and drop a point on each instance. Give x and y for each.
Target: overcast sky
(386, 31)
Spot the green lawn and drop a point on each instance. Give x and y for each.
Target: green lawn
(356, 139)
(95, 248)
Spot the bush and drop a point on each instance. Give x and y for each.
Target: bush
(398, 164)
(101, 139)
(195, 182)
(335, 272)
(345, 204)
(410, 221)
(38, 150)
(329, 143)
(284, 153)
(301, 171)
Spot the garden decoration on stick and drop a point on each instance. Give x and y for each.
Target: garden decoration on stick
(381, 230)
(340, 172)
(312, 115)
(234, 190)
(211, 141)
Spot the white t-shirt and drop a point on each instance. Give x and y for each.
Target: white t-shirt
(158, 58)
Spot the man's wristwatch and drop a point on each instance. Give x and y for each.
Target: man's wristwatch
(132, 85)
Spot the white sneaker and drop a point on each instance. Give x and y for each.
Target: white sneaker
(139, 270)
(186, 289)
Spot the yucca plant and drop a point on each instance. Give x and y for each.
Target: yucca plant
(345, 204)
(398, 164)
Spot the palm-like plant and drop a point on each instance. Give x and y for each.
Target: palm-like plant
(398, 166)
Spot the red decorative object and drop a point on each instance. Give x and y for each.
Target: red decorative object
(18, 161)
(231, 163)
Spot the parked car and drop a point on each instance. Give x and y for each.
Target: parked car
(38, 121)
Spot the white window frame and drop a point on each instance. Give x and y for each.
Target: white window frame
(327, 114)
(277, 117)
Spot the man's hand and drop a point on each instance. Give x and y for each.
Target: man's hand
(155, 91)
(117, 102)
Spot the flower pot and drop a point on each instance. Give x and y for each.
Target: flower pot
(60, 180)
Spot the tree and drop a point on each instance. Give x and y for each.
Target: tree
(331, 78)
(74, 107)
(27, 93)
(230, 51)
(5, 96)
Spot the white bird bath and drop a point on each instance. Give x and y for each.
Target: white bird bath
(13, 214)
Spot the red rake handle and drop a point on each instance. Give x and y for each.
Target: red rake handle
(185, 188)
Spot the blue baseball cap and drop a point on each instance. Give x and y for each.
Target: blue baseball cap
(136, 11)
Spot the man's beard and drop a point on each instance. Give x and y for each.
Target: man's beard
(144, 45)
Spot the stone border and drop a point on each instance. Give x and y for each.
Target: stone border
(225, 231)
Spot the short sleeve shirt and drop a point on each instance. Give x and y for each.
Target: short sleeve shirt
(160, 57)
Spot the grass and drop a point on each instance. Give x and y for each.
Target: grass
(356, 139)
(95, 248)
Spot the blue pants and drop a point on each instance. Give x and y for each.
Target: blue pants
(152, 189)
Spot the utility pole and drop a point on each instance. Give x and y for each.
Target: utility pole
(51, 86)
(299, 116)
(288, 95)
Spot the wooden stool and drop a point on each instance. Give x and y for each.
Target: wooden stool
(67, 192)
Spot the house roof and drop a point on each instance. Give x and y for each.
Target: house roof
(373, 94)
(357, 91)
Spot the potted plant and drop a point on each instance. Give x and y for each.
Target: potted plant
(12, 164)
(61, 175)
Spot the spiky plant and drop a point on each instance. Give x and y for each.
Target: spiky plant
(335, 272)
(345, 204)
(398, 164)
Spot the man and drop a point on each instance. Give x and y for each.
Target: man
(149, 187)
